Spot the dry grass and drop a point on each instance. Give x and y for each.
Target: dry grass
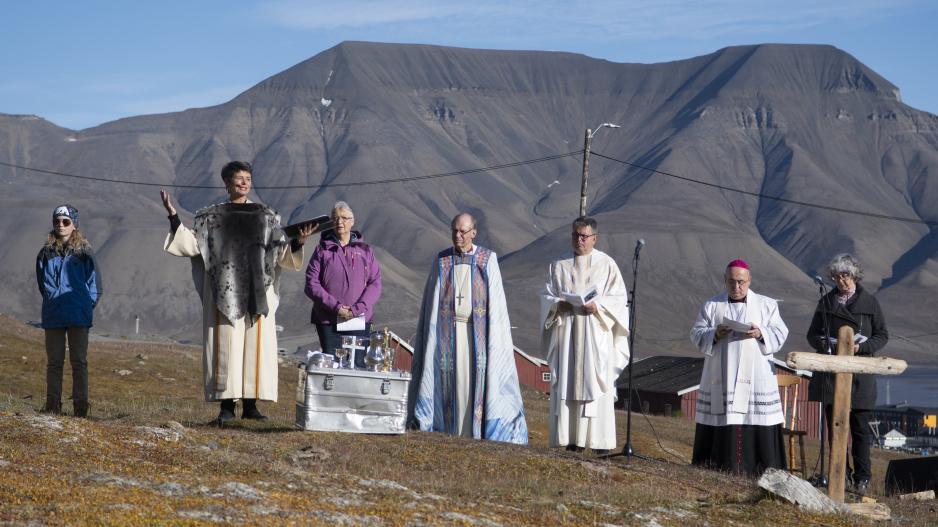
(126, 466)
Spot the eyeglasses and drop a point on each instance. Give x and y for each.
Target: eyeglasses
(584, 237)
(737, 283)
(64, 221)
(465, 232)
(344, 219)
(840, 275)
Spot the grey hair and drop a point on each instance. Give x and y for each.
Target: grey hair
(846, 263)
(341, 205)
(472, 219)
(586, 221)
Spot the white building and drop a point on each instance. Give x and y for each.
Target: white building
(894, 439)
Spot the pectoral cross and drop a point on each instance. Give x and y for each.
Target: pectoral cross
(459, 298)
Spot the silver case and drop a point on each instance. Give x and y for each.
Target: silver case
(359, 401)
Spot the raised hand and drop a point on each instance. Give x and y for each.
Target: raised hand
(167, 202)
(305, 232)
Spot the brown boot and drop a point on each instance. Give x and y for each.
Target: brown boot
(81, 408)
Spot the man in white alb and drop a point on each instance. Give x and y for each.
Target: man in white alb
(584, 322)
(739, 413)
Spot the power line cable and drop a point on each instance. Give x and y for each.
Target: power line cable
(490, 169)
(325, 185)
(774, 198)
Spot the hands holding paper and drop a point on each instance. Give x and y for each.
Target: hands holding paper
(565, 307)
(751, 330)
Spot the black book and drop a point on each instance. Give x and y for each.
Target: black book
(323, 224)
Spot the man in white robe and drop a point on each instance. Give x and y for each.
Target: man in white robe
(239, 295)
(585, 342)
(464, 377)
(739, 412)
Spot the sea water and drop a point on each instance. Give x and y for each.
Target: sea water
(917, 385)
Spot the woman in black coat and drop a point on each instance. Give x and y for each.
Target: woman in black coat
(849, 305)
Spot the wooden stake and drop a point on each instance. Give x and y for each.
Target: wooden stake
(840, 421)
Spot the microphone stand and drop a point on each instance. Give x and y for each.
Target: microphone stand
(820, 480)
(627, 451)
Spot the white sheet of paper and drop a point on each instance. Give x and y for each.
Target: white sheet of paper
(858, 338)
(352, 324)
(736, 326)
(580, 300)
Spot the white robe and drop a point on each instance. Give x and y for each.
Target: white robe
(250, 350)
(586, 353)
(738, 386)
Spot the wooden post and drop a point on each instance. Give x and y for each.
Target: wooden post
(843, 365)
(840, 421)
(586, 169)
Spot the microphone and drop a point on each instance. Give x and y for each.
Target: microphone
(638, 246)
(818, 280)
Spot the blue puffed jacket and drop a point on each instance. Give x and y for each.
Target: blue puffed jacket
(69, 284)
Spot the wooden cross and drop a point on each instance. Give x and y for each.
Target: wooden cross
(844, 365)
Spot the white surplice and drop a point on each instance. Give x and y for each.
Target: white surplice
(738, 386)
(586, 353)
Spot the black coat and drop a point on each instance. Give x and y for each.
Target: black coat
(863, 314)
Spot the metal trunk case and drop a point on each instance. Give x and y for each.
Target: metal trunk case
(342, 400)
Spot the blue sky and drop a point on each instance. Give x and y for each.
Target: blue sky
(79, 64)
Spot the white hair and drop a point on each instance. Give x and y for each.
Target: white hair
(341, 205)
(846, 263)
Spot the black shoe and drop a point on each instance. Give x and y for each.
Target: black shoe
(250, 411)
(601, 451)
(863, 487)
(81, 409)
(226, 414)
(52, 408)
(574, 448)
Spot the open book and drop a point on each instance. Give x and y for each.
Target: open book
(580, 300)
(323, 223)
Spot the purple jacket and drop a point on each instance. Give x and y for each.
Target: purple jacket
(339, 275)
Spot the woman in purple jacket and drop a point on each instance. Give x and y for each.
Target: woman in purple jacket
(343, 279)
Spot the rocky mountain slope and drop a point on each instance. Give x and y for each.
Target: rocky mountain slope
(801, 122)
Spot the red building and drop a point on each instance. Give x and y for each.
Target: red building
(532, 371)
(668, 386)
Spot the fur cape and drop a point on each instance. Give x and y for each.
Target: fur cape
(241, 244)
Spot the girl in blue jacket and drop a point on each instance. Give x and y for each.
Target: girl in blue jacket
(70, 289)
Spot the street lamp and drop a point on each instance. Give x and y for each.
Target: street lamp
(586, 162)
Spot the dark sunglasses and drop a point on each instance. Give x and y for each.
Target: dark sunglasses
(64, 221)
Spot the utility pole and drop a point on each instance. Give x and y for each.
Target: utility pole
(586, 170)
(587, 140)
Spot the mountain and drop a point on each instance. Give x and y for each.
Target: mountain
(805, 123)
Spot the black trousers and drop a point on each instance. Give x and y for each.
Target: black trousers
(860, 437)
(77, 338)
(330, 339)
